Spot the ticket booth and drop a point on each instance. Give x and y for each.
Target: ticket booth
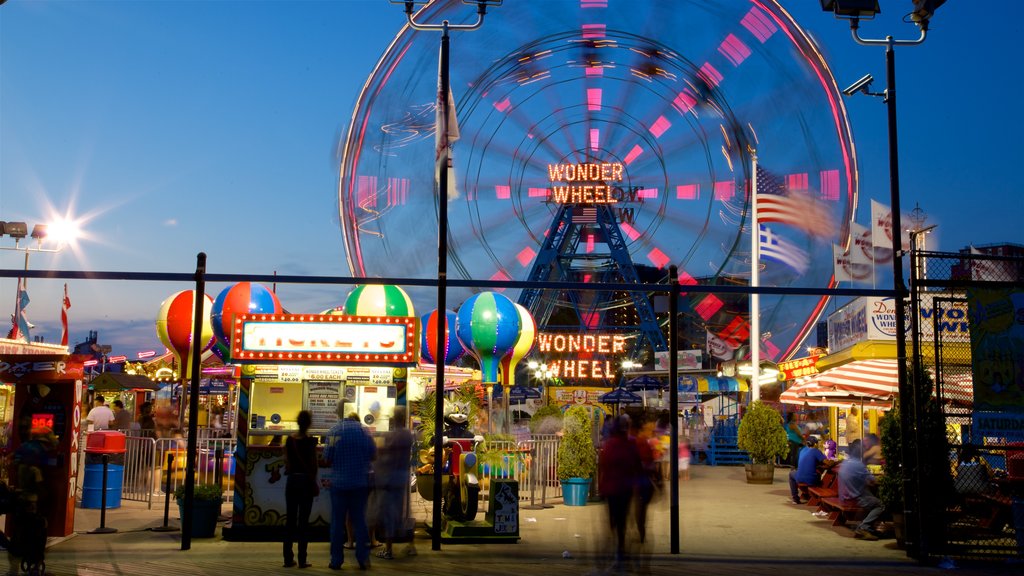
(307, 362)
(48, 392)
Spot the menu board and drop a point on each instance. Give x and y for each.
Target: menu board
(322, 402)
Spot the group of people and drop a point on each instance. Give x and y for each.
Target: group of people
(364, 481)
(628, 477)
(855, 481)
(117, 417)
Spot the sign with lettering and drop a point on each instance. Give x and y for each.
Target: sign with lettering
(587, 356)
(322, 402)
(793, 369)
(503, 508)
(874, 318)
(587, 183)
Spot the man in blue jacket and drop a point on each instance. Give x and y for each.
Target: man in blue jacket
(349, 452)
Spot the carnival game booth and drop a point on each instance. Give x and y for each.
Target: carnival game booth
(717, 401)
(131, 389)
(46, 425)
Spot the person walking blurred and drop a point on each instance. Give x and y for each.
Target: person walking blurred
(300, 467)
(618, 468)
(349, 452)
(648, 480)
(391, 471)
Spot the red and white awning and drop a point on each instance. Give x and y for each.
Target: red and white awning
(809, 391)
(873, 381)
(876, 378)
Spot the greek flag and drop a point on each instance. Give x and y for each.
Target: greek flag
(777, 249)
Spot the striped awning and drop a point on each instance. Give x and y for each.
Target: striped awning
(876, 378)
(711, 384)
(809, 391)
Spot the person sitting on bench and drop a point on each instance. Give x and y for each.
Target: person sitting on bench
(854, 484)
(806, 471)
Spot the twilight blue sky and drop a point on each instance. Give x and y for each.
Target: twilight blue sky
(170, 128)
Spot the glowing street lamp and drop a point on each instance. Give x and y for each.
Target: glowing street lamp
(52, 237)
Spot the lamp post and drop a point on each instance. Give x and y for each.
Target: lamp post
(854, 10)
(442, 216)
(60, 232)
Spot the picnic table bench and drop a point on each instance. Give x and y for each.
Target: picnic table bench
(842, 511)
(829, 488)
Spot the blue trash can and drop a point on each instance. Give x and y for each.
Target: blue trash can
(92, 486)
(109, 443)
(575, 491)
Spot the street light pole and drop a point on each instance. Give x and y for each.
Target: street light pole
(854, 10)
(442, 231)
(19, 230)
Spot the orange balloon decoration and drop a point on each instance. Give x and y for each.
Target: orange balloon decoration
(174, 325)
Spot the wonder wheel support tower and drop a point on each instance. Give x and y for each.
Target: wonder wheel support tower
(572, 252)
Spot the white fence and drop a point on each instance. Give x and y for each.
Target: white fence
(532, 463)
(147, 461)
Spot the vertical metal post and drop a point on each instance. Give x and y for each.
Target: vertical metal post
(167, 497)
(195, 357)
(442, 291)
(673, 401)
(103, 502)
(908, 411)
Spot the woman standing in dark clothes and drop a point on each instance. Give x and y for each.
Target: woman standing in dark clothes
(300, 466)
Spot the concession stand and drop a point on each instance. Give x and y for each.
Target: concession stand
(293, 362)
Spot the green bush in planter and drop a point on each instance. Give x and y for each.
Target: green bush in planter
(202, 492)
(576, 455)
(890, 485)
(761, 434)
(546, 420)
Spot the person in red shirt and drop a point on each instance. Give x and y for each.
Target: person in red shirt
(619, 467)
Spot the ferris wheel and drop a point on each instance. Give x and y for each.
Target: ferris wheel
(681, 94)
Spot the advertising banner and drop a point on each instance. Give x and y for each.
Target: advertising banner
(997, 345)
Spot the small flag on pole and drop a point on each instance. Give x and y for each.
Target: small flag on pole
(777, 249)
(881, 230)
(65, 305)
(443, 141)
(21, 326)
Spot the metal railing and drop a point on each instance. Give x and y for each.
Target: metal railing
(533, 464)
(146, 459)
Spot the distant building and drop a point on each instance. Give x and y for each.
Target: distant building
(1008, 266)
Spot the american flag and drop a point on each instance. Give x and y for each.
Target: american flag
(584, 215)
(777, 249)
(797, 209)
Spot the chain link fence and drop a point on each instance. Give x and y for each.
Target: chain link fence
(970, 493)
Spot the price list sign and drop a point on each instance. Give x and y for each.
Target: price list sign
(322, 402)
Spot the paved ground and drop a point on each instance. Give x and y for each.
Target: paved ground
(728, 527)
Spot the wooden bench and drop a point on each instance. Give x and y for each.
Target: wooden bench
(841, 511)
(802, 491)
(994, 510)
(829, 488)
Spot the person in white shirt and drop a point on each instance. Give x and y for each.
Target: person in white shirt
(100, 416)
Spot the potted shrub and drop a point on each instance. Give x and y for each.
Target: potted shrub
(890, 485)
(763, 437)
(577, 459)
(546, 420)
(206, 503)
